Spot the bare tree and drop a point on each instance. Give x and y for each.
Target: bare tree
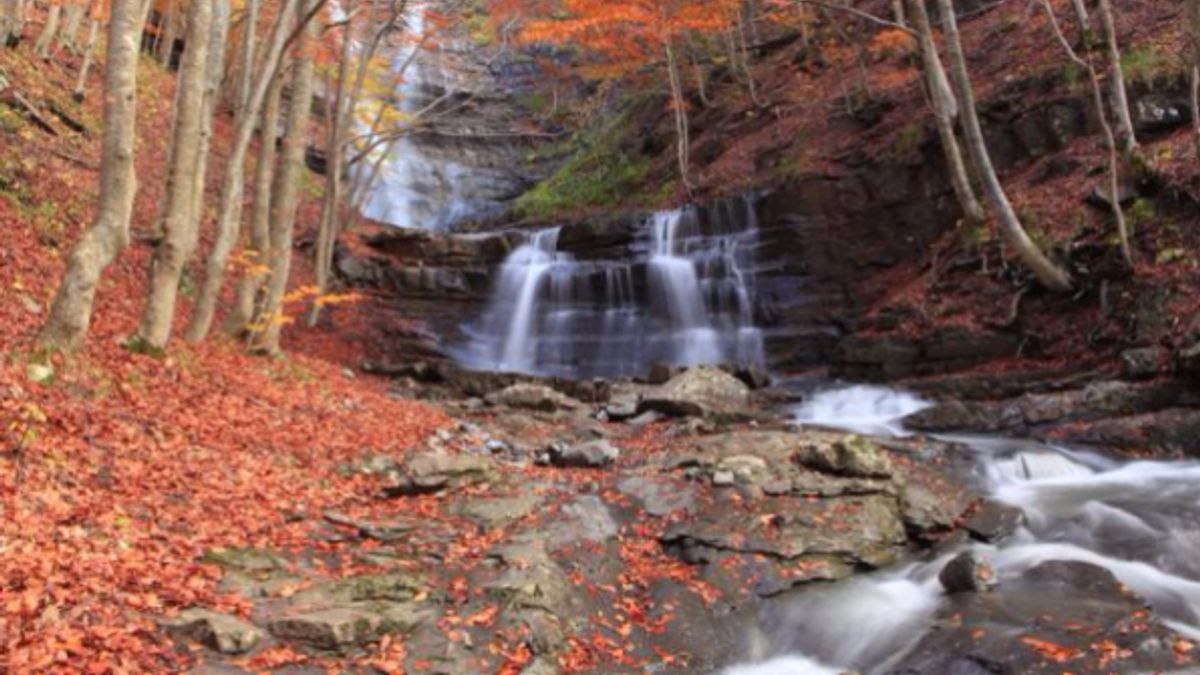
(286, 198)
(945, 112)
(49, 31)
(246, 57)
(68, 37)
(259, 241)
(1116, 79)
(167, 32)
(89, 52)
(1194, 32)
(1114, 162)
(12, 22)
(1049, 274)
(180, 231)
(71, 312)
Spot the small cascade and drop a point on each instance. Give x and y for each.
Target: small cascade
(685, 297)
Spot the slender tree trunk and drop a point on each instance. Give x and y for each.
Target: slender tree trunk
(246, 71)
(898, 14)
(1114, 163)
(1194, 30)
(682, 140)
(218, 33)
(68, 37)
(12, 22)
(286, 197)
(167, 33)
(88, 58)
(242, 312)
(46, 38)
(1126, 138)
(1085, 24)
(945, 111)
(180, 233)
(229, 215)
(71, 313)
(1049, 274)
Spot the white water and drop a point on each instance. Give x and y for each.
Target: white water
(687, 300)
(1140, 520)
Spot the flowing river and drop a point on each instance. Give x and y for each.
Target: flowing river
(1138, 519)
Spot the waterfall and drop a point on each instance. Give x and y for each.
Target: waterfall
(686, 299)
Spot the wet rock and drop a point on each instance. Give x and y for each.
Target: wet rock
(924, 512)
(661, 373)
(994, 521)
(659, 497)
(621, 406)
(593, 455)
(431, 472)
(1171, 432)
(523, 396)
(699, 392)
(1046, 622)
(1143, 363)
(755, 377)
(222, 632)
(968, 572)
(1095, 401)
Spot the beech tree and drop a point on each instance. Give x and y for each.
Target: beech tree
(1106, 126)
(945, 112)
(1049, 274)
(89, 52)
(1194, 34)
(1116, 79)
(285, 199)
(179, 231)
(49, 30)
(71, 312)
(12, 22)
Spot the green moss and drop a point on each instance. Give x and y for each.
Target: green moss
(598, 174)
(1145, 64)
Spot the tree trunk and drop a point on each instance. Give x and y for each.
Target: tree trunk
(1194, 30)
(88, 59)
(945, 110)
(1116, 80)
(167, 33)
(1049, 274)
(180, 233)
(246, 74)
(286, 197)
(229, 215)
(71, 313)
(682, 140)
(1114, 163)
(218, 33)
(68, 37)
(12, 22)
(242, 312)
(46, 38)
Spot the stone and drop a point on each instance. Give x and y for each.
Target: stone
(243, 559)
(852, 455)
(755, 377)
(968, 572)
(994, 521)
(659, 497)
(621, 407)
(661, 373)
(536, 397)
(592, 455)
(435, 471)
(494, 512)
(222, 632)
(723, 479)
(925, 512)
(39, 373)
(531, 579)
(1156, 114)
(345, 626)
(1188, 361)
(1143, 363)
(586, 519)
(703, 391)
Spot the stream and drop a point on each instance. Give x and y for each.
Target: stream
(1138, 519)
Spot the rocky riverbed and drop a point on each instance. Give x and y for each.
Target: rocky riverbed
(667, 525)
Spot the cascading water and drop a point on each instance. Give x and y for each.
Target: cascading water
(1139, 520)
(687, 299)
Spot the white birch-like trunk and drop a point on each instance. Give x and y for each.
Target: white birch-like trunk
(49, 30)
(88, 59)
(1126, 138)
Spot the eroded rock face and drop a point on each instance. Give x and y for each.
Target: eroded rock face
(435, 471)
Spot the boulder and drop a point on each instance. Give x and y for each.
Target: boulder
(699, 392)
(494, 512)
(346, 626)
(659, 497)
(222, 632)
(593, 455)
(1157, 114)
(852, 455)
(1143, 363)
(523, 396)
(435, 471)
(994, 521)
(1188, 361)
(967, 572)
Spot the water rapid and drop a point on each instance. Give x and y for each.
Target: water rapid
(685, 297)
(1140, 520)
